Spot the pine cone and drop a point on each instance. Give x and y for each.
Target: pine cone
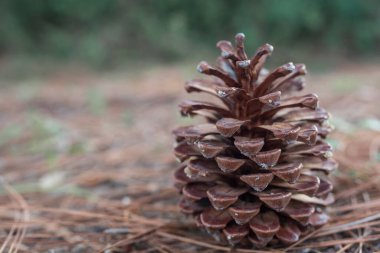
(256, 172)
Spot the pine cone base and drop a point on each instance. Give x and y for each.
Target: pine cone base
(256, 173)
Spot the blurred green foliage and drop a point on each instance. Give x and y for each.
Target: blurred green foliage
(107, 31)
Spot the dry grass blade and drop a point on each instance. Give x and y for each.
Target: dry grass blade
(374, 179)
(133, 239)
(18, 227)
(303, 239)
(210, 245)
(375, 237)
(375, 203)
(345, 248)
(350, 226)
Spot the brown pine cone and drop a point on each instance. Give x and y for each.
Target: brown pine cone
(256, 172)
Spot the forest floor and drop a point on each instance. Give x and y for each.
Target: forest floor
(86, 163)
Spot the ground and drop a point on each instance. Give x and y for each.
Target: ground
(86, 162)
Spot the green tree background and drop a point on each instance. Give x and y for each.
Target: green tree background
(106, 32)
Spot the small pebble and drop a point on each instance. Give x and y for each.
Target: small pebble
(116, 231)
(58, 250)
(81, 248)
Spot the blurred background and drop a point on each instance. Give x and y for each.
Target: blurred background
(89, 92)
(108, 34)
